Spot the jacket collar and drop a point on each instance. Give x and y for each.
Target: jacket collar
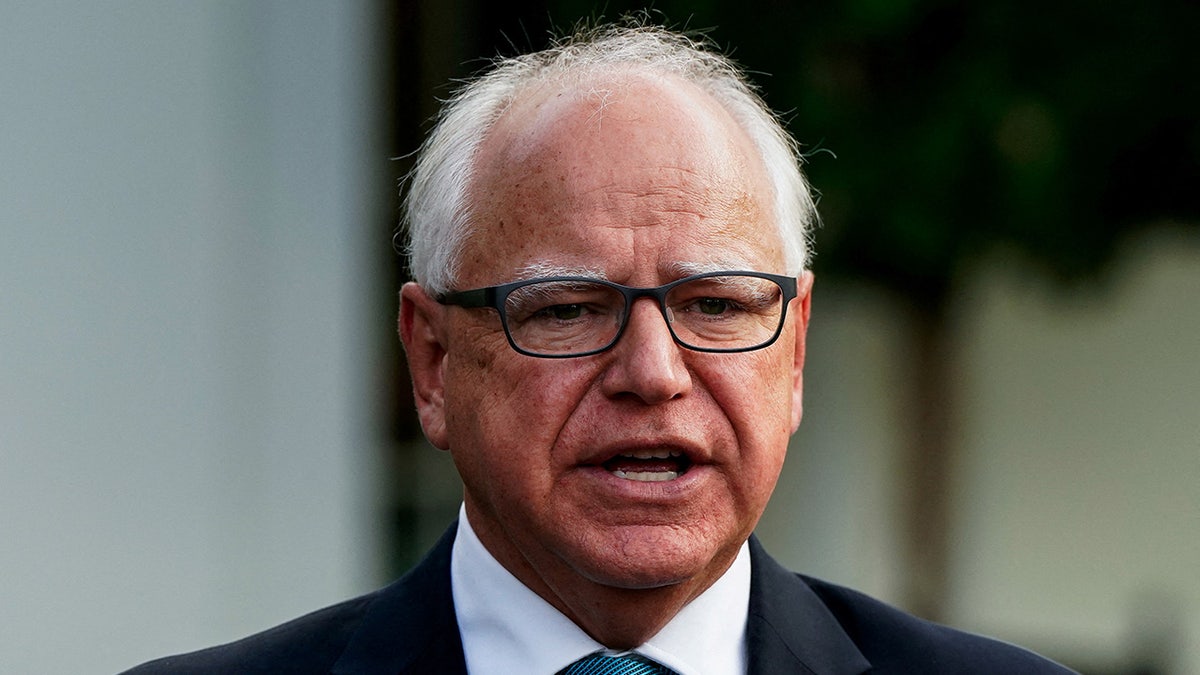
(790, 630)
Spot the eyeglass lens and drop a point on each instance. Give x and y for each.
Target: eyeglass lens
(732, 312)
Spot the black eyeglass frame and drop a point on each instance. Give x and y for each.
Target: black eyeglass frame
(494, 297)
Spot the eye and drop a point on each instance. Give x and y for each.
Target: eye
(712, 306)
(563, 312)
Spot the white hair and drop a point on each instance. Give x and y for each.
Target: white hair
(438, 207)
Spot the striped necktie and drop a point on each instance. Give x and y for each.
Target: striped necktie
(607, 664)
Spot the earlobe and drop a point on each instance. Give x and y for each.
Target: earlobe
(421, 330)
(803, 306)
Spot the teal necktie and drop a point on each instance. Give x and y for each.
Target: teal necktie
(605, 664)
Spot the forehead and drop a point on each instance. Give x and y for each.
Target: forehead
(618, 166)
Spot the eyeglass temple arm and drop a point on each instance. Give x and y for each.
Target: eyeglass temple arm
(479, 297)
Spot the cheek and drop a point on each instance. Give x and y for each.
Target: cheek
(754, 390)
(503, 405)
(755, 396)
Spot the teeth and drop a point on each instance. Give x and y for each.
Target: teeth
(647, 476)
(654, 454)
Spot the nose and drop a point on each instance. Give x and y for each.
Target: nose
(646, 362)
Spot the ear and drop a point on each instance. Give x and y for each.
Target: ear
(422, 330)
(804, 293)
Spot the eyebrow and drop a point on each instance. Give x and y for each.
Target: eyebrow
(541, 268)
(678, 269)
(681, 269)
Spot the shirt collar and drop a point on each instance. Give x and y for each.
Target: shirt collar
(507, 628)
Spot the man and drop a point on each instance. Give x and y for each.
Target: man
(606, 332)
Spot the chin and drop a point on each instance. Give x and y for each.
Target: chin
(650, 557)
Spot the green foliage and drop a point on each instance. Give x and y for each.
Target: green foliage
(1055, 128)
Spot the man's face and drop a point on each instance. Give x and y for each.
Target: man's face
(641, 182)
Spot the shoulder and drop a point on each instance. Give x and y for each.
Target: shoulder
(309, 644)
(406, 627)
(895, 641)
(801, 624)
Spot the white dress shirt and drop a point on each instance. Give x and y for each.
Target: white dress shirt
(507, 628)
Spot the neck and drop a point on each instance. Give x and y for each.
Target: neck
(622, 618)
(617, 617)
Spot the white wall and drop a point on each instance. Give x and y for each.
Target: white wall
(186, 235)
(1080, 500)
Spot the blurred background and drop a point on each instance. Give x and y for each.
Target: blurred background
(205, 421)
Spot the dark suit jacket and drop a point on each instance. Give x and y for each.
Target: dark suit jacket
(796, 625)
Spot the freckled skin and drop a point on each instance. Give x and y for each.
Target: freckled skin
(653, 175)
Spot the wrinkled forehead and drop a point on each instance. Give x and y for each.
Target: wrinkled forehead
(617, 151)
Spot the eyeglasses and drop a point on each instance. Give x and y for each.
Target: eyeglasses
(561, 317)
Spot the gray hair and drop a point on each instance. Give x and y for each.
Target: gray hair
(437, 207)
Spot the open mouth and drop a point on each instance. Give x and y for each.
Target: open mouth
(649, 466)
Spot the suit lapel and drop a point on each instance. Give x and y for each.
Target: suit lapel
(411, 626)
(789, 629)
